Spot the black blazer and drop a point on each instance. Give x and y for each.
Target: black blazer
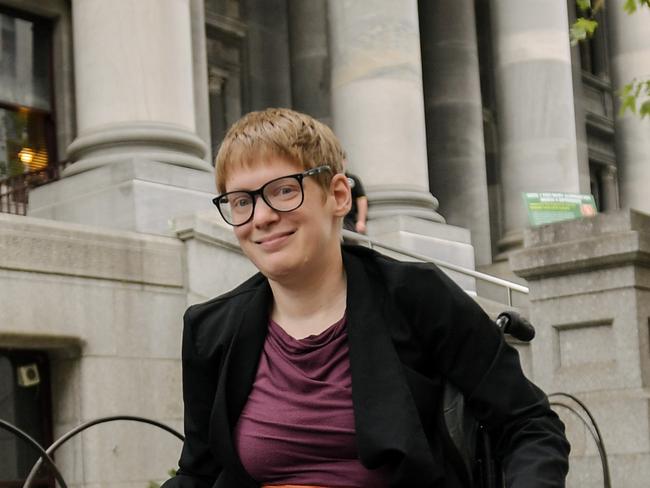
(409, 326)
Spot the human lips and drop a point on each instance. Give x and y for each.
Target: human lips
(274, 238)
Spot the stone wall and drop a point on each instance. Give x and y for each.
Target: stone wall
(590, 302)
(107, 307)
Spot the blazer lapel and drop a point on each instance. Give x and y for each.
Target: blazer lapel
(237, 377)
(387, 424)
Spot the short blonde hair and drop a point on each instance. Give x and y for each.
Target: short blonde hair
(279, 132)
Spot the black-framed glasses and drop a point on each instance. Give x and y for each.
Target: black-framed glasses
(282, 194)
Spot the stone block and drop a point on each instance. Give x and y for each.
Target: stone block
(106, 317)
(434, 240)
(56, 248)
(587, 342)
(603, 241)
(130, 386)
(126, 453)
(590, 301)
(578, 230)
(622, 417)
(69, 458)
(147, 322)
(215, 262)
(65, 384)
(135, 194)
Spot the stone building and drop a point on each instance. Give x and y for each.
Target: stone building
(111, 113)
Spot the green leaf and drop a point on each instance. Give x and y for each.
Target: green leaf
(628, 102)
(577, 34)
(644, 109)
(626, 90)
(587, 24)
(583, 5)
(630, 6)
(637, 88)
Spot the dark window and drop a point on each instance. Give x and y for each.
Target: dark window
(24, 402)
(596, 184)
(225, 38)
(27, 135)
(593, 51)
(604, 185)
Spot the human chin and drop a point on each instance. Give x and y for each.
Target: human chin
(276, 266)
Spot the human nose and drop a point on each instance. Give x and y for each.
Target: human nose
(263, 214)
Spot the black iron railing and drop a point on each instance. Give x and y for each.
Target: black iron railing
(46, 454)
(14, 190)
(557, 400)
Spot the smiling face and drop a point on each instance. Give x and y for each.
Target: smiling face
(287, 246)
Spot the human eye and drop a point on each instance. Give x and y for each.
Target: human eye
(240, 201)
(285, 190)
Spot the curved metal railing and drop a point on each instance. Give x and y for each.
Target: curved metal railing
(591, 426)
(46, 454)
(21, 434)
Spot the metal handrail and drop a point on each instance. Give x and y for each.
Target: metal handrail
(4, 425)
(508, 285)
(80, 428)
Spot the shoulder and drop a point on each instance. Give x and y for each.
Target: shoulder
(405, 276)
(421, 292)
(214, 321)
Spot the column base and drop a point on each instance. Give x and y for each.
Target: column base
(156, 141)
(436, 240)
(395, 202)
(134, 194)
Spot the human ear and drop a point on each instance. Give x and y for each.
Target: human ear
(341, 194)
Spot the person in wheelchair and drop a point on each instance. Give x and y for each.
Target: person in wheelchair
(328, 367)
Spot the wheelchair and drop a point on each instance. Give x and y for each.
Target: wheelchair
(471, 448)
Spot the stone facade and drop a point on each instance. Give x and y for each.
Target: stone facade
(447, 112)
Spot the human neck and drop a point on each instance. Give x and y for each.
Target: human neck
(309, 306)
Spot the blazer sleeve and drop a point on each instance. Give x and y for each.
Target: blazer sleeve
(470, 350)
(198, 467)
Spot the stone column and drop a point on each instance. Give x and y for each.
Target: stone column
(310, 64)
(589, 283)
(378, 113)
(629, 47)
(536, 115)
(137, 159)
(377, 103)
(454, 115)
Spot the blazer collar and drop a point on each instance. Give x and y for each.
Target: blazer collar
(237, 377)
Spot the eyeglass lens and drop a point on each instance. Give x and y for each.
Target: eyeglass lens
(283, 195)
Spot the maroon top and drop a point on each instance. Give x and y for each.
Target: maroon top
(298, 424)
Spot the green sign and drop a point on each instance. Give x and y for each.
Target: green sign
(546, 208)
